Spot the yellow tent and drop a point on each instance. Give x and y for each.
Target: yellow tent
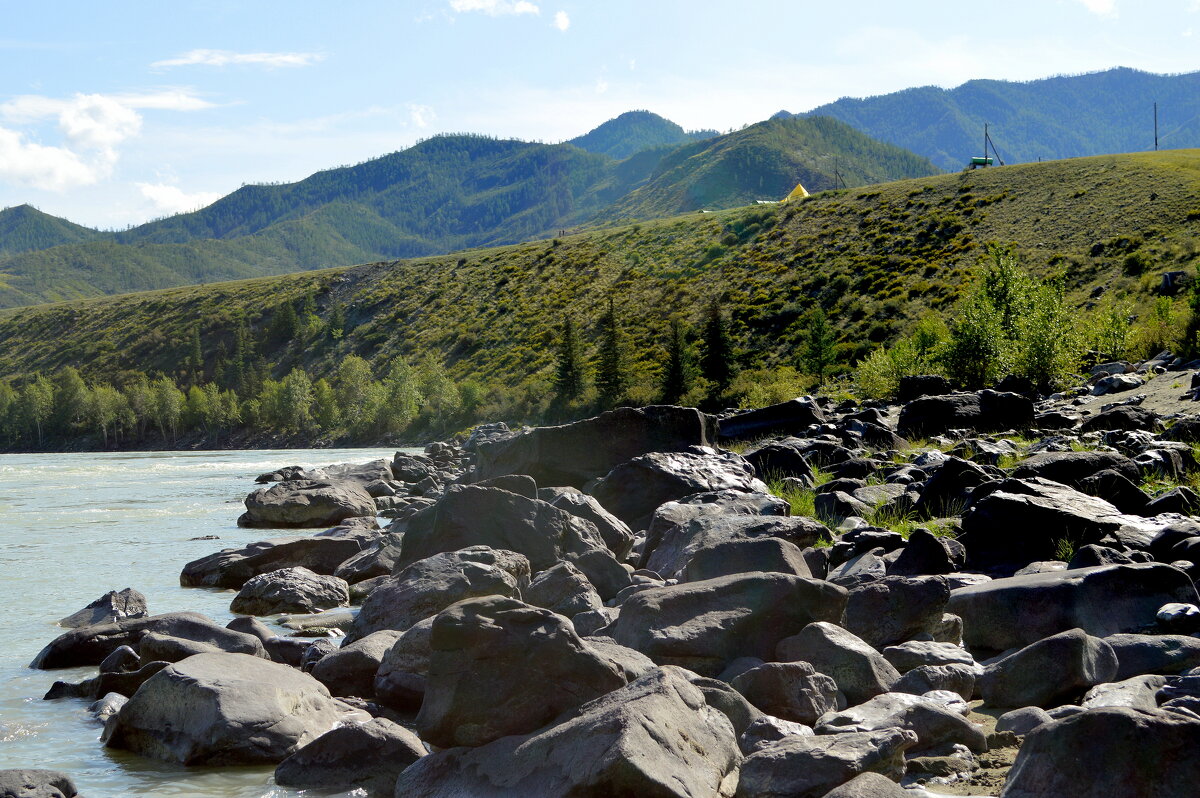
(799, 192)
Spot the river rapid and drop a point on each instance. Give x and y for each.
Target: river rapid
(74, 526)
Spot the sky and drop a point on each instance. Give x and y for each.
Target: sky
(112, 114)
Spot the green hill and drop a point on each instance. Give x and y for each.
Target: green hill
(444, 194)
(874, 258)
(634, 131)
(26, 229)
(1059, 117)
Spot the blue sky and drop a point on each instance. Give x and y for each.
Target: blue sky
(114, 113)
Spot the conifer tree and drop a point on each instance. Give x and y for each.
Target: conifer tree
(677, 379)
(817, 353)
(612, 379)
(717, 362)
(569, 369)
(195, 361)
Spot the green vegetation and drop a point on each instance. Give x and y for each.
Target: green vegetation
(26, 229)
(883, 265)
(635, 131)
(443, 194)
(1060, 117)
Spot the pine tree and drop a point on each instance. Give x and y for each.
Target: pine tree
(612, 379)
(677, 379)
(817, 353)
(717, 363)
(195, 361)
(569, 374)
(335, 324)
(284, 324)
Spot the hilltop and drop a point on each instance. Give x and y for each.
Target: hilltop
(1059, 117)
(24, 228)
(635, 131)
(443, 194)
(875, 259)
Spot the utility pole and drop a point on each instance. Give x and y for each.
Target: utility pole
(1156, 126)
(985, 141)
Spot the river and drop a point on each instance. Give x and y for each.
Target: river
(74, 526)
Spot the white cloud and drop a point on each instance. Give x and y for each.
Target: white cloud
(420, 115)
(220, 58)
(601, 85)
(495, 8)
(172, 199)
(92, 126)
(562, 21)
(1103, 8)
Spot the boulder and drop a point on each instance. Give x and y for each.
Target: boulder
(1124, 417)
(915, 653)
(500, 667)
(860, 671)
(792, 417)
(778, 460)
(927, 553)
(290, 590)
(1105, 600)
(1140, 692)
(719, 503)
(350, 671)
(33, 783)
(321, 553)
(1022, 721)
(468, 515)
(563, 590)
(377, 559)
(655, 737)
(954, 678)
(933, 722)
(400, 677)
(89, 645)
(1116, 489)
(1049, 672)
(742, 556)
(767, 730)
(1105, 752)
(790, 690)
(915, 386)
(705, 625)
(1024, 520)
(573, 454)
(679, 543)
(985, 411)
(127, 603)
(225, 709)
(809, 767)
(1073, 468)
(633, 490)
(615, 533)
(948, 490)
(306, 503)
(895, 608)
(1139, 654)
(367, 757)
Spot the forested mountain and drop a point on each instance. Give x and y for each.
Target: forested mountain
(1060, 117)
(634, 131)
(444, 194)
(26, 229)
(766, 161)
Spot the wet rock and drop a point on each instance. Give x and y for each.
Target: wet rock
(290, 590)
(224, 709)
(107, 706)
(306, 503)
(33, 783)
(127, 603)
(367, 757)
(321, 553)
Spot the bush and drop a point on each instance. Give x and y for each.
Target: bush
(977, 350)
(1049, 346)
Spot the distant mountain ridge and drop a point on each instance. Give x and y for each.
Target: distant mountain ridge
(1059, 117)
(24, 228)
(635, 131)
(444, 194)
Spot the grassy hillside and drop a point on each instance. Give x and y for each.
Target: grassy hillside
(444, 194)
(634, 131)
(874, 258)
(25, 229)
(1060, 117)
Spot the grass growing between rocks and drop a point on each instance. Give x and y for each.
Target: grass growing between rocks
(801, 499)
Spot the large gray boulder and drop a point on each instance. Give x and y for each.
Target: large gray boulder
(896, 608)
(615, 532)
(985, 411)
(321, 553)
(572, 454)
(742, 556)
(1072, 468)
(711, 503)
(934, 722)
(34, 783)
(792, 417)
(1139, 654)
(1049, 672)
(127, 603)
(656, 737)
(860, 671)
(225, 709)
(1106, 752)
(290, 590)
(790, 690)
(871, 785)
(564, 590)
(809, 767)
(306, 503)
(1024, 520)
(89, 645)
(400, 677)
(705, 625)
(469, 515)
(350, 671)
(500, 667)
(633, 490)
(429, 586)
(679, 543)
(367, 757)
(1103, 600)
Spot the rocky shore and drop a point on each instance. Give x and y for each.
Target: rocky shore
(965, 594)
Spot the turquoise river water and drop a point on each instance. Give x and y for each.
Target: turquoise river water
(73, 526)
